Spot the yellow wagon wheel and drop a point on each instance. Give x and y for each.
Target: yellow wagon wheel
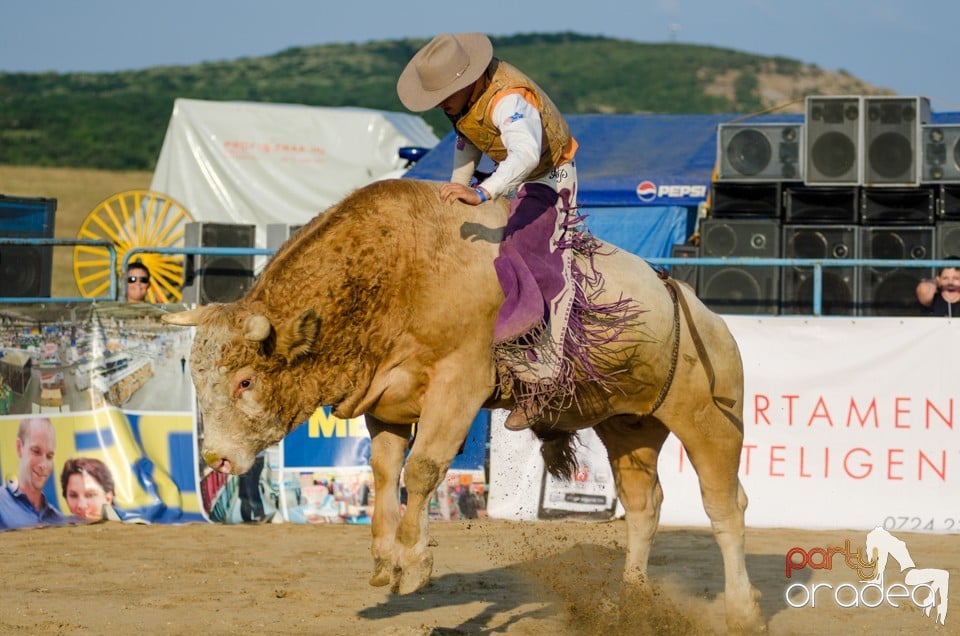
(136, 218)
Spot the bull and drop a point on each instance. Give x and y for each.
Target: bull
(384, 306)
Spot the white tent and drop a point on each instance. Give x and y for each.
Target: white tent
(261, 163)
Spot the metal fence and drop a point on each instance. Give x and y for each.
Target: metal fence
(816, 266)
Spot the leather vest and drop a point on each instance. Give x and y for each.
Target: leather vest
(475, 124)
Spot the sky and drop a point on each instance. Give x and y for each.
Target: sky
(908, 46)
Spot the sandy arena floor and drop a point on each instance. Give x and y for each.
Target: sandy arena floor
(490, 577)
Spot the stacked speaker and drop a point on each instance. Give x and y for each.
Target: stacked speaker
(25, 268)
(220, 277)
(225, 277)
(860, 177)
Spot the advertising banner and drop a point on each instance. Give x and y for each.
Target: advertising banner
(847, 424)
(96, 416)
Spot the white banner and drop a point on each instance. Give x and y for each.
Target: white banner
(849, 423)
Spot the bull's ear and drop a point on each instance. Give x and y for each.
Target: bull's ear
(189, 318)
(296, 338)
(257, 327)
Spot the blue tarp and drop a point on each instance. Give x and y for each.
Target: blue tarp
(641, 177)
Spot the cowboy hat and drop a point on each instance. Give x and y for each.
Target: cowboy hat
(448, 63)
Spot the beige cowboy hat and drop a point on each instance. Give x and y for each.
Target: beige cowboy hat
(447, 63)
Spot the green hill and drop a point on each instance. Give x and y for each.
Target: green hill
(117, 121)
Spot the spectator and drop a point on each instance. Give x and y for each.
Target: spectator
(87, 486)
(941, 296)
(22, 502)
(138, 282)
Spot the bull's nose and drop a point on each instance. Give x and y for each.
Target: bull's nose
(218, 463)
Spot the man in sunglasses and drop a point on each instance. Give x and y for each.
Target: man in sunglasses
(138, 282)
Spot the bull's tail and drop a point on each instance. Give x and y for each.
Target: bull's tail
(558, 449)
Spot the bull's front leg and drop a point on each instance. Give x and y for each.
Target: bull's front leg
(388, 443)
(449, 408)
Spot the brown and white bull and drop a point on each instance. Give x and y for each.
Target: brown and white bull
(384, 306)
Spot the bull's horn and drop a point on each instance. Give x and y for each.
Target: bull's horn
(188, 318)
(256, 327)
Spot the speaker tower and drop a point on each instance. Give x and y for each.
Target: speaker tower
(839, 295)
(278, 233)
(891, 291)
(221, 277)
(734, 289)
(941, 154)
(832, 139)
(891, 138)
(25, 269)
(759, 152)
(685, 273)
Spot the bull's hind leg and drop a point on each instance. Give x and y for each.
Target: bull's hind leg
(388, 443)
(714, 451)
(633, 447)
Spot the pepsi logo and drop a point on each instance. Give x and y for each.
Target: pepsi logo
(647, 191)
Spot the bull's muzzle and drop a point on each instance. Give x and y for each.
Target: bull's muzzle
(218, 463)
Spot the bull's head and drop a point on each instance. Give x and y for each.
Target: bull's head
(240, 364)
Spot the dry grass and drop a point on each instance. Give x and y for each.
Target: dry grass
(78, 191)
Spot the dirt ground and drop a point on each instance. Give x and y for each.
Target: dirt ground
(490, 577)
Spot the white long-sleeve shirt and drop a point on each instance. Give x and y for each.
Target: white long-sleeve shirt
(521, 132)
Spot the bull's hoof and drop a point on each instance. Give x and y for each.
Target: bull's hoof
(381, 574)
(746, 618)
(415, 576)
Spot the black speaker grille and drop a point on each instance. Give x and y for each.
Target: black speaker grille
(218, 278)
(838, 293)
(820, 205)
(891, 291)
(732, 200)
(833, 128)
(737, 289)
(25, 271)
(906, 206)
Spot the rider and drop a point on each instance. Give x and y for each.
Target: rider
(498, 110)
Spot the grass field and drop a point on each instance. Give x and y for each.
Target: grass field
(77, 192)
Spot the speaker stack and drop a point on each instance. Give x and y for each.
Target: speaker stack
(218, 278)
(862, 177)
(278, 233)
(25, 269)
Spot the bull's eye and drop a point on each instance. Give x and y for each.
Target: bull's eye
(243, 382)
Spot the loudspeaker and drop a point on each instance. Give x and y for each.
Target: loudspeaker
(891, 291)
(821, 205)
(732, 200)
(685, 273)
(948, 240)
(734, 289)
(891, 139)
(759, 152)
(905, 206)
(839, 291)
(25, 269)
(941, 154)
(832, 139)
(278, 233)
(218, 278)
(948, 202)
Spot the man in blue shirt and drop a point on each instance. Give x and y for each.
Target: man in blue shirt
(22, 502)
